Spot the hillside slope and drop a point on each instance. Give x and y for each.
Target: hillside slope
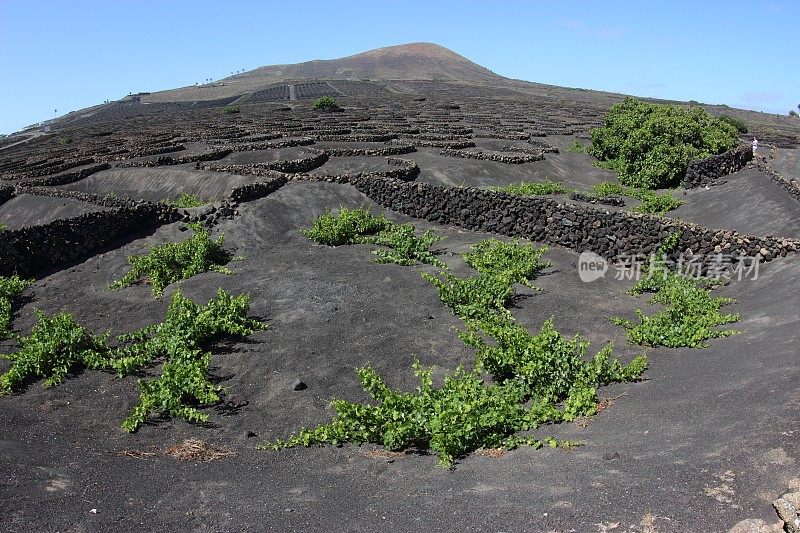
(417, 61)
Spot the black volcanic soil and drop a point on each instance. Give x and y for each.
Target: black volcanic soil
(702, 417)
(750, 201)
(160, 183)
(572, 170)
(709, 438)
(27, 210)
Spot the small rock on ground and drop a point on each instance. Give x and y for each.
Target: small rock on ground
(752, 525)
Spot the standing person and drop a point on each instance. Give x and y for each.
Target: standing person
(755, 145)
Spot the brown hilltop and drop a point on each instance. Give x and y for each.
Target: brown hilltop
(416, 61)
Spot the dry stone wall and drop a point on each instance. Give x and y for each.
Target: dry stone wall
(6, 193)
(167, 160)
(543, 146)
(454, 145)
(512, 136)
(387, 150)
(270, 145)
(708, 171)
(35, 250)
(791, 186)
(404, 131)
(375, 138)
(250, 138)
(38, 249)
(263, 169)
(438, 137)
(777, 139)
(616, 201)
(155, 150)
(53, 167)
(500, 158)
(333, 131)
(609, 234)
(254, 191)
(457, 130)
(69, 177)
(408, 171)
(90, 198)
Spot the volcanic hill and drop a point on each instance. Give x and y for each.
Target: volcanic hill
(418, 61)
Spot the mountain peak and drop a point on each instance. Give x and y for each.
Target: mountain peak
(405, 62)
(414, 61)
(426, 50)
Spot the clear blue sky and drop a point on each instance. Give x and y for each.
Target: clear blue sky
(71, 54)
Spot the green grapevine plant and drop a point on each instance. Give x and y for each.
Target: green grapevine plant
(186, 200)
(652, 202)
(171, 262)
(9, 288)
(359, 226)
(690, 313)
(58, 346)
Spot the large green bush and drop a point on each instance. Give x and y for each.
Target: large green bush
(739, 124)
(650, 145)
(325, 103)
